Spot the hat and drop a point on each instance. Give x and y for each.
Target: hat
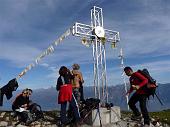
(75, 67)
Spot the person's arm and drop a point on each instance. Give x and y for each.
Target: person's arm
(129, 91)
(25, 106)
(59, 83)
(17, 101)
(71, 74)
(81, 78)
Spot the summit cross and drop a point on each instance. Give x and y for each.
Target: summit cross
(95, 35)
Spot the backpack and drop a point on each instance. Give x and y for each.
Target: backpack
(36, 112)
(151, 86)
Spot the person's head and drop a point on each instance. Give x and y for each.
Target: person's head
(63, 70)
(29, 91)
(76, 66)
(128, 71)
(25, 93)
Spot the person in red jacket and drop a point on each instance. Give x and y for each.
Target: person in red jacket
(65, 95)
(137, 84)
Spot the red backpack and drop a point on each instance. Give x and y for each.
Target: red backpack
(151, 86)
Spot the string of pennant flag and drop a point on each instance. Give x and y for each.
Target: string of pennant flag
(47, 52)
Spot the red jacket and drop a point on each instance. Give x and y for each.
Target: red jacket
(138, 79)
(65, 93)
(64, 88)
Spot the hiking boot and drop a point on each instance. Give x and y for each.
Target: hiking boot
(28, 122)
(67, 122)
(136, 118)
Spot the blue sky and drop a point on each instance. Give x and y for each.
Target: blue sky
(28, 27)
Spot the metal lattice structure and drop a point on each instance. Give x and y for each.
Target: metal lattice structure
(97, 36)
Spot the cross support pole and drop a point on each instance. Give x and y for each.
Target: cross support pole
(95, 35)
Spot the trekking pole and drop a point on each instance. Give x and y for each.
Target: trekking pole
(99, 116)
(159, 99)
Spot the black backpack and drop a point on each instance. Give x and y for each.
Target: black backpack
(151, 86)
(35, 110)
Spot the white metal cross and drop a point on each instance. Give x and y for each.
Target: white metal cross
(97, 36)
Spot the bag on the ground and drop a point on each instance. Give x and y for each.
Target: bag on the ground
(35, 110)
(151, 86)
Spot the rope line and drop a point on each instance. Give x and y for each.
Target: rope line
(47, 52)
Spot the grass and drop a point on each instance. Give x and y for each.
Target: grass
(162, 116)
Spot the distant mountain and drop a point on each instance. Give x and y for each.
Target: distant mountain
(117, 97)
(47, 98)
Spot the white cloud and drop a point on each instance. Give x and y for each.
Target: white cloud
(18, 54)
(144, 31)
(158, 67)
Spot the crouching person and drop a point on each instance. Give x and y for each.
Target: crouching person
(21, 104)
(65, 95)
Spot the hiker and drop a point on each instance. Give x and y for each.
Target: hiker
(137, 83)
(65, 95)
(21, 102)
(77, 83)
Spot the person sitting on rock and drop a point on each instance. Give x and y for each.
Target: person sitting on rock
(21, 105)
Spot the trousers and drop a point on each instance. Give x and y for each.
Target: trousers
(141, 98)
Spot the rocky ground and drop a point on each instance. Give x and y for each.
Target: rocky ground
(51, 120)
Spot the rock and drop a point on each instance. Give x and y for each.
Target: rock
(20, 125)
(53, 125)
(2, 114)
(51, 121)
(7, 118)
(3, 124)
(37, 126)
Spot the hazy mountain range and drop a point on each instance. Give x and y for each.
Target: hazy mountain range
(47, 98)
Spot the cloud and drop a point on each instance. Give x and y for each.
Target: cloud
(29, 27)
(157, 67)
(17, 54)
(53, 71)
(143, 31)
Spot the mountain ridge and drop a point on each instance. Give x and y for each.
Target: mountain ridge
(47, 98)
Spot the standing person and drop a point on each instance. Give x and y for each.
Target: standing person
(77, 83)
(137, 83)
(65, 95)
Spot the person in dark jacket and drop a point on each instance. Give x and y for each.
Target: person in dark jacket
(138, 82)
(65, 95)
(21, 101)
